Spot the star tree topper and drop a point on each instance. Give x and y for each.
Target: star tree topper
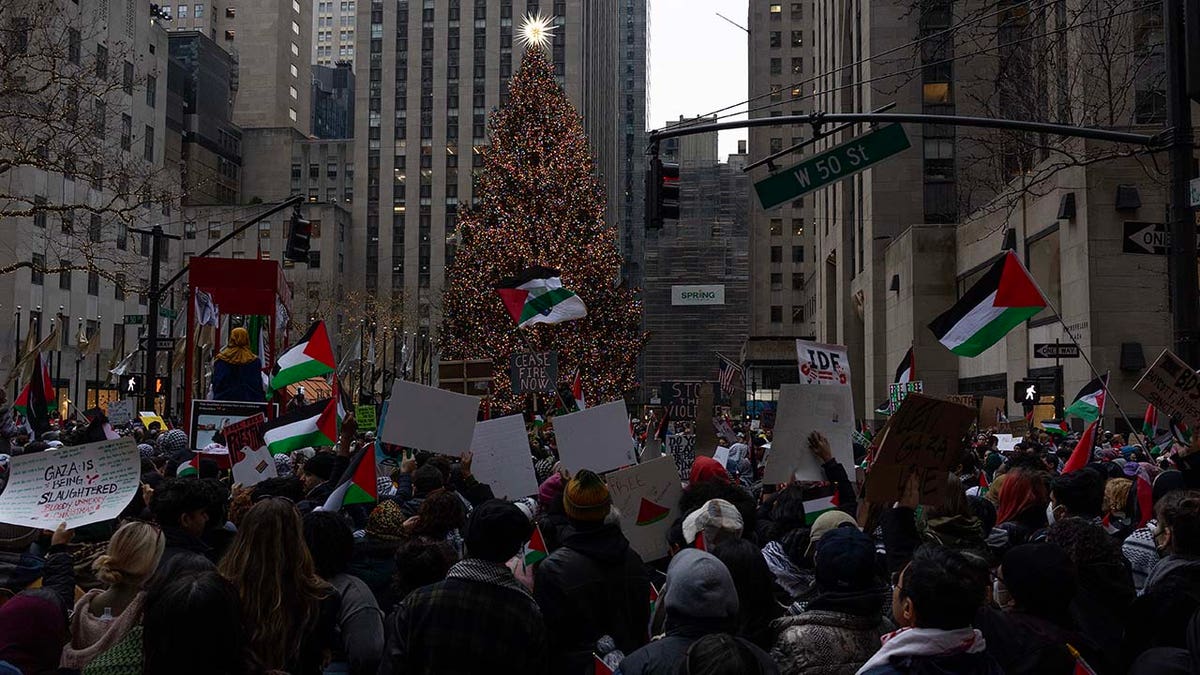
(536, 31)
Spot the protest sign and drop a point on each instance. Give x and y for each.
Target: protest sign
(725, 431)
(77, 484)
(150, 417)
(252, 462)
(364, 415)
(823, 364)
(923, 438)
(991, 411)
(388, 456)
(501, 457)
(679, 399)
(1172, 387)
(596, 438)
(427, 418)
(721, 455)
(962, 399)
(120, 412)
(209, 417)
(533, 372)
(898, 391)
(647, 497)
(706, 433)
(803, 409)
(1007, 442)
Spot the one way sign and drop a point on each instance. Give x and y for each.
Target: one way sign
(1146, 238)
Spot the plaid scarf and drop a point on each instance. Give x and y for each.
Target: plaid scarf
(484, 572)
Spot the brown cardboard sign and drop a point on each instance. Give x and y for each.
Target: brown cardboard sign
(1173, 387)
(925, 438)
(706, 433)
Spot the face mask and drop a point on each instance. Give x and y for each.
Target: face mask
(1050, 514)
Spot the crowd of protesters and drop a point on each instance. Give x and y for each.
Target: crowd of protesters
(1017, 568)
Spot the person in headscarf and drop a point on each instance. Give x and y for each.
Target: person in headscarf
(283, 465)
(174, 445)
(237, 372)
(1139, 548)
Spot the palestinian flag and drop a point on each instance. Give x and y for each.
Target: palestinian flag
(601, 668)
(189, 468)
(1083, 450)
(1089, 402)
(577, 391)
(357, 484)
(535, 550)
(654, 593)
(1056, 427)
(813, 508)
(312, 356)
(537, 296)
(1180, 432)
(1150, 422)
(36, 401)
(1002, 299)
(907, 370)
(313, 425)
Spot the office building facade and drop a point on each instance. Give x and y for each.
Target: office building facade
(333, 32)
(333, 101)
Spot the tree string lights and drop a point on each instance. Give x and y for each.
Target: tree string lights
(538, 203)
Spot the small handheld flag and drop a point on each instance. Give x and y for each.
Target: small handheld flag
(535, 550)
(357, 485)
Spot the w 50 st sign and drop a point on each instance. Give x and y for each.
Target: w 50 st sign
(832, 165)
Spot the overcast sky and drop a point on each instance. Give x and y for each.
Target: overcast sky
(697, 61)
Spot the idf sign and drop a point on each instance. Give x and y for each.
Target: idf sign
(533, 372)
(713, 294)
(832, 165)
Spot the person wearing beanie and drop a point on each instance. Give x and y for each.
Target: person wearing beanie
(1036, 585)
(594, 584)
(552, 520)
(700, 599)
(841, 625)
(320, 475)
(374, 558)
(480, 618)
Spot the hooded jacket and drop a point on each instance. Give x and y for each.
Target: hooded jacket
(700, 599)
(593, 585)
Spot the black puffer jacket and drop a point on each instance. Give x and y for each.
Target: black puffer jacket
(593, 585)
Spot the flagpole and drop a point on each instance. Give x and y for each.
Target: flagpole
(17, 354)
(1091, 366)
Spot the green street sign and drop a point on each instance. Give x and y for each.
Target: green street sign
(832, 165)
(135, 319)
(167, 313)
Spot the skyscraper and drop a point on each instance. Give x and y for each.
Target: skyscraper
(633, 58)
(333, 31)
(429, 74)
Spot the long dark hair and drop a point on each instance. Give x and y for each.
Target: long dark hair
(193, 626)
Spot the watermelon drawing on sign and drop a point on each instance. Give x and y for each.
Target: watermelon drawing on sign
(650, 513)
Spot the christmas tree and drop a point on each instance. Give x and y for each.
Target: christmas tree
(539, 204)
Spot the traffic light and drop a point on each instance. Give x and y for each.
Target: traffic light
(1027, 391)
(662, 193)
(299, 231)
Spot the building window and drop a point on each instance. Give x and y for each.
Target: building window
(798, 314)
(936, 93)
(182, 12)
(94, 228)
(214, 229)
(119, 289)
(797, 227)
(797, 10)
(37, 273)
(126, 131)
(68, 221)
(39, 211)
(777, 281)
(776, 145)
(776, 39)
(776, 254)
(295, 50)
(189, 229)
(93, 283)
(314, 260)
(264, 229)
(102, 62)
(295, 28)
(292, 114)
(797, 38)
(229, 35)
(797, 254)
(64, 276)
(230, 12)
(1043, 253)
(776, 11)
(776, 226)
(776, 314)
(148, 150)
(797, 281)
(776, 66)
(152, 88)
(127, 78)
(293, 93)
(122, 235)
(74, 45)
(198, 11)
(294, 70)
(797, 64)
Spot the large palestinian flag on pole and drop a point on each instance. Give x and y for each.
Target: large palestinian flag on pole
(37, 399)
(1001, 300)
(1089, 402)
(312, 356)
(537, 296)
(314, 425)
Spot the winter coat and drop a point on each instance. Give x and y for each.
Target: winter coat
(954, 664)
(593, 585)
(238, 383)
(1024, 644)
(819, 642)
(1159, 618)
(478, 620)
(663, 656)
(55, 573)
(178, 541)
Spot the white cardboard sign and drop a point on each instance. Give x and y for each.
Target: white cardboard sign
(647, 497)
(427, 418)
(803, 409)
(120, 412)
(823, 364)
(596, 438)
(502, 459)
(78, 484)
